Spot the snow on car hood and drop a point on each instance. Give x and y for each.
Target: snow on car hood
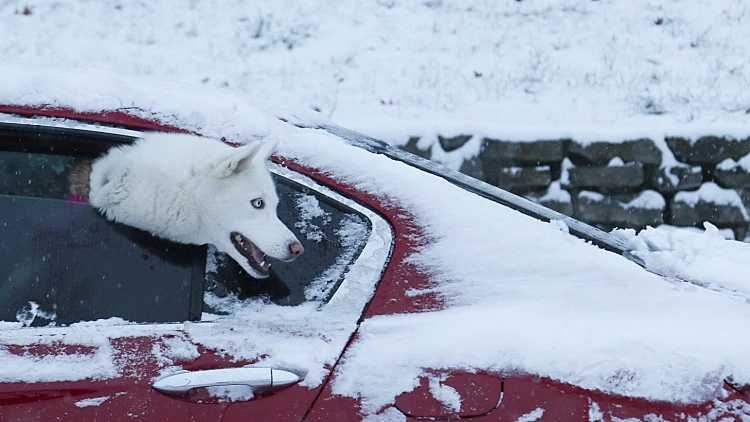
(521, 295)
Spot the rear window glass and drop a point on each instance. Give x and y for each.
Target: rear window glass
(24, 173)
(63, 262)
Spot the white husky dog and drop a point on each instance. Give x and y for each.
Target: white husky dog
(197, 190)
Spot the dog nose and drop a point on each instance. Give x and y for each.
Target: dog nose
(296, 249)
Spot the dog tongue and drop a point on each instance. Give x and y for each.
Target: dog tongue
(258, 255)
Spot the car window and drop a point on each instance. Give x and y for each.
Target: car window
(63, 262)
(24, 173)
(332, 233)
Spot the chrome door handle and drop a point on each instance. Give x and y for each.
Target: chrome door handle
(259, 379)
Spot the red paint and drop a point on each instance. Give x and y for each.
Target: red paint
(57, 348)
(121, 118)
(480, 394)
(524, 394)
(127, 395)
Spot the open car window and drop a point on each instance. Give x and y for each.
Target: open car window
(332, 233)
(64, 262)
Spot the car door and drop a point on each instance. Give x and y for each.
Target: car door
(94, 315)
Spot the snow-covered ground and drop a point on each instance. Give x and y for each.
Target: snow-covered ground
(397, 67)
(390, 68)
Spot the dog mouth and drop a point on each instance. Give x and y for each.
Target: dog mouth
(255, 257)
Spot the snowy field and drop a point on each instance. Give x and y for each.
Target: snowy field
(391, 67)
(394, 68)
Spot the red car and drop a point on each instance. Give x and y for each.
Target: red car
(174, 337)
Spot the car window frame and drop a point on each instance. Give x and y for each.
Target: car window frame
(381, 233)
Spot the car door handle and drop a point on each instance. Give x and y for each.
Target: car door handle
(259, 379)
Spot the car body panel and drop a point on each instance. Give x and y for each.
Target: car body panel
(524, 394)
(130, 393)
(122, 398)
(520, 396)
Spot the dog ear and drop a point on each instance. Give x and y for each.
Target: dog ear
(233, 163)
(230, 164)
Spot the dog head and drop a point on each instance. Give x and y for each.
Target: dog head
(239, 209)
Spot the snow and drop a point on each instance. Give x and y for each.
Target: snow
(95, 401)
(589, 71)
(648, 199)
(532, 416)
(727, 234)
(36, 88)
(515, 171)
(555, 193)
(231, 393)
(29, 313)
(91, 402)
(445, 394)
(351, 233)
(213, 259)
(616, 162)
(309, 208)
(451, 159)
(729, 164)
(671, 164)
(710, 192)
(705, 259)
(513, 70)
(593, 196)
(61, 367)
(595, 412)
(652, 417)
(565, 171)
(177, 348)
(732, 410)
(390, 414)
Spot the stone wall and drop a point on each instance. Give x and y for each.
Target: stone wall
(629, 184)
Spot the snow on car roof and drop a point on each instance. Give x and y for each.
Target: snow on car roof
(521, 295)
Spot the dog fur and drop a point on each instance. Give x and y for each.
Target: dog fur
(195, 190)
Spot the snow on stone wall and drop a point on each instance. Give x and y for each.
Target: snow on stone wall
(613, 184)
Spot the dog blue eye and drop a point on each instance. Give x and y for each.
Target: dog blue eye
(257, 203)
